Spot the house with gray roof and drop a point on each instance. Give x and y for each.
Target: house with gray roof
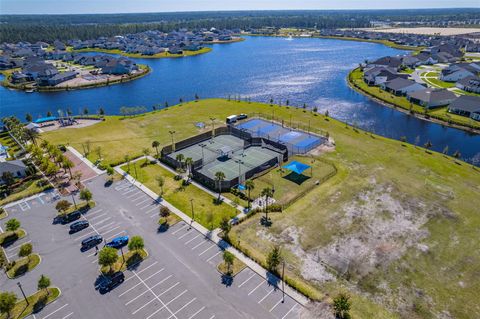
(401, 86)
(16, 167)
(458, 71)
(469, 84)
(431, 98)
(466, 105)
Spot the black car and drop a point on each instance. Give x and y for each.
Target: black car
(78, 226)
(91, 241)
(111, 281)
(70, 217)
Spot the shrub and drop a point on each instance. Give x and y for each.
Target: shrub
(136, 243)
(62, 206)
(12, 225)
(25, 250)
(164, 211)
(162, 221)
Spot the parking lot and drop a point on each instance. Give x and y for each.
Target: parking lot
(179, 279)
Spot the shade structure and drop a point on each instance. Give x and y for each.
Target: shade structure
(296, 167)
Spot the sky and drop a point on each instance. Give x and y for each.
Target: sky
(124, 6)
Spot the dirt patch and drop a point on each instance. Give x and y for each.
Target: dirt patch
(79, 123)
(327, 147)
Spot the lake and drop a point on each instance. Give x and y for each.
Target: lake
(311, 71)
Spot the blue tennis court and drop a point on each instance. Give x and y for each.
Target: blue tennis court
(297, 142)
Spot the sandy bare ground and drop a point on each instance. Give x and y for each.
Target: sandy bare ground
(47, 126)
(426, 30)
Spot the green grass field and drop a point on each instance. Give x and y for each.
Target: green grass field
(439, 190)
(179, 196)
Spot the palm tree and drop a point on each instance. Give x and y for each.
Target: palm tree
(68, 164)
(219, 178)
(267, 193)
(155, 145)
(250, 186)
(180, 159)
(189, 163)
(32, 135)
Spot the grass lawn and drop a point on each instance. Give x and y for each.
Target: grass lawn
(132, 257)
(7, 140)
(288, 186)
(440, 83)
(23, 265)
(237, 267)
(27, 189)
(179, 196)
(36, 302)
(356, 77)
(434, 266)
(3, 213)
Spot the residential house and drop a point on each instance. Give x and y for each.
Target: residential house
(401, 86)
(469, 84)
(388, 61)
(378, 75)
(16, 167)
(456, 72)
(466, 105)
(431, 98)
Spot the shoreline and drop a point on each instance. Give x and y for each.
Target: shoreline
(164, 55)
(405, 111)
(19, 87)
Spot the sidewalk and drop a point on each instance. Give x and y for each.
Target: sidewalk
(213, 236)
(85, 160)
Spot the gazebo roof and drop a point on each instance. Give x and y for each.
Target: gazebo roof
(296, 167)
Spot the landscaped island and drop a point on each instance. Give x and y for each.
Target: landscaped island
(392, 228)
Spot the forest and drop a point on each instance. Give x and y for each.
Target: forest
(32, 28)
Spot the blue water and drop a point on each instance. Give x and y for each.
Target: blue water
(311, 71)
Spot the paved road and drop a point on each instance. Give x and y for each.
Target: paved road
(178, 280)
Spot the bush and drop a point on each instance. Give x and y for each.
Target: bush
(136, 243)
(162, 221)
(178, 177)
(164, 211)
(25, 250)
(12, 225)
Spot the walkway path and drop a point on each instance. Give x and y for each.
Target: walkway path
(213, 235)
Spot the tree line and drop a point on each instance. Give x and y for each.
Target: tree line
(33, 28)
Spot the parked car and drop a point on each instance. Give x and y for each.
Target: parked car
(118, 242)
(78, 226)
(68, 218)
(242, 116)
(91, 241)
(111, 281)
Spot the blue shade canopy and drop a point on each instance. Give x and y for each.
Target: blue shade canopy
(296, 167)
(45, 119)
(241, 187)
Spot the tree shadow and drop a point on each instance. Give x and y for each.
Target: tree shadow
(267, 222)
(298, 179)
(108, 183)
(217, 201)
(21, 270)
(10, 240)
(134, 261)
(40, 304)
(227, 280)
(272, 279)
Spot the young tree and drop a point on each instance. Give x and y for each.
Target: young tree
(28, 117)
(107, 257)
(85, 111)
(219, 178)
(457, 154)
(274, 258)
(164, 211)
(267, 192)
(250, 186)
(180, 157)
(110, 172)
(98, 151)
(62, 206)
(136, 243)
(32, 135)
(146, 153)
(225, 226)
(25, 250)
(228, 259)
(86, 195)
(49, 114)
(101, 111)
(7, 302)
(341, 306)
(8, 179)
(189, 163)
(271, 101)
(155, 145)
(43, 283)
(12, 225)
(428, 145)
(68, 164)
(445, 150)
(160, 182)
(403, 139)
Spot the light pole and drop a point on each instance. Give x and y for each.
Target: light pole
(23, 293)
(193, 212)
(213, 126)
(173, 144)
(135, 168)
(283, 282)
(123, 256)
(74, 202)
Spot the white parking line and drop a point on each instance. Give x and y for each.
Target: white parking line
(184, 235)
(107, 225)
(143, 306)
(278, 302)
(140, 197)
(164, 305)
(83, 236)
(55, 311)
(103, 220)
(92, 218)
(173, 314)
(264, 297)
(138, 296)
(138, 273)
(203, 252)
(41, 200)
(71, 313)
(151, 210)
(251, 292)
(189, 241)
(243, 283)
(108, 231)
(218, 253)
(95, 212)
(135, 194)
(198, 245)
(196, 313)
(289, 311)
(13, 248)
(130, 190)
(179, 229)
(183, 307)
(143, 201)
(117, 234)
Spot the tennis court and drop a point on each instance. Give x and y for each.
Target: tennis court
(297, 142)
